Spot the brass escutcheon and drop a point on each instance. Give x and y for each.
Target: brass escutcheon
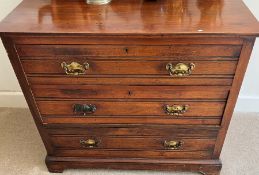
(75, 68)
(176, 110)
(89, 143)
(172, 144)
(180, 69)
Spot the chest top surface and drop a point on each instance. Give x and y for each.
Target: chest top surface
(132, 17)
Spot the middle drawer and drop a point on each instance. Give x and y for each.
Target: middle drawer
(143, 143)
(126, 108)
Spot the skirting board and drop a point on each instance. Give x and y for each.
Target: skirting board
(17, 100)
(247, 104)
(12, 100)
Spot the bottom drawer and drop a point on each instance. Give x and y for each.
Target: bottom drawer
(135, 143)
(132, 147)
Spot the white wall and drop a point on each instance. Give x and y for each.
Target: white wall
(11, 96)
(249, 96)
(10, 92)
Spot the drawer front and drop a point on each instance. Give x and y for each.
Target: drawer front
(133, 143)
(125, 108)
(133, 147)
(129, 92)
(127, 50)
(130, 67)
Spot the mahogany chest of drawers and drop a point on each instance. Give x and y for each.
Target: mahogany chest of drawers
(132, 84)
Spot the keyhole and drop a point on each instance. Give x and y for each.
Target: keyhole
(130, 93)
(126, 50)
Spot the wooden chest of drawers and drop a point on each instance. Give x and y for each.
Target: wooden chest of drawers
(129, 86)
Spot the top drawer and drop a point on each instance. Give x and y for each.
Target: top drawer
(129, 50)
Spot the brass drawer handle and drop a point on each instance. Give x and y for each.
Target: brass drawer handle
(89, 143)
(176, 110)
(180, 69)
(75, 68)
(172, 144)
(84, 108)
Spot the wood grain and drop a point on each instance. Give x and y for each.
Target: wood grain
(129, 120)
(128, 50)
(137, 130)
(104, 153)
(163, 81)
(134, 108)
(127, 44)
(14, 59)
(131, 143)
(205, 166)
(128, 67)
(242, 65)
(130, 92)
(229, 17)
(124, 39)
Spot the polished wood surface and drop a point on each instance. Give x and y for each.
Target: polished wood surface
(71, 39)
(130, 92)
(130, 51)
(128, 44)
(136, 120)
(134, 154)
(209, 167)
(118, 80)
(128, 67)
(135, 108)
(233, 95)
(132, 17)
(132, 143)
(177, 131)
